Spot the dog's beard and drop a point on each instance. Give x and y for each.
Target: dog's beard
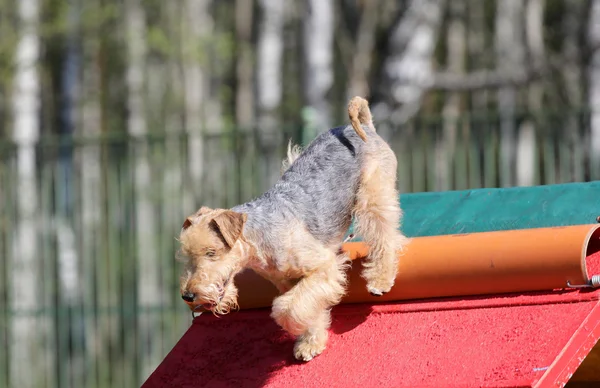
(227, 297)
(220, 299)
(227, 301)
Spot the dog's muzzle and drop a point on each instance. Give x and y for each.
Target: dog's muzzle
(190, 297)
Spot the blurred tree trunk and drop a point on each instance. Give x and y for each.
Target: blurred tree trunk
(456, 47)
(509, 55)
(90, 166)
(196, 25)
(479, 99)
(573, 80)
(318, 26)
(358, 82)
(204, 66)
(176, 203)
(526, 144)
(244, 100)
(94, 242)
(407, 70)
(534, 22)
(593, 41)
(72, 330)
(26, 283)
(476, 45)
(71, 289)
(217, 64)
(269, 87)
(149, 289)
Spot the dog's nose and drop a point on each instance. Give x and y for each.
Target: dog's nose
(188, 297)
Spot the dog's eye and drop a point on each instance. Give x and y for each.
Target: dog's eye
(210, 253)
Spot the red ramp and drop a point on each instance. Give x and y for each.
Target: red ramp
(532, 339)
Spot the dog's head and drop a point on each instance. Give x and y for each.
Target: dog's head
(214, 251)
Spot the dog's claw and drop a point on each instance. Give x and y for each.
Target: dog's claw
(376, 292)
(304, 353)
(305, 358)
(379, 287)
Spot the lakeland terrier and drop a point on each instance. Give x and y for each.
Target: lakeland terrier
(292, 234)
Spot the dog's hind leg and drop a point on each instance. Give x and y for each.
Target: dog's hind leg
(378, 216)
(303, 311)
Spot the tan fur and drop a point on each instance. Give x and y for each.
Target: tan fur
(310, 276)
(378, 216)
(359, 114)
(293, 152)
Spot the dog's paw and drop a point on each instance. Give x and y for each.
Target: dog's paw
(378, 282)
(378, 288)
(308, 347)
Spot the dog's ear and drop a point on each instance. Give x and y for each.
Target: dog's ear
(187, 223)
(230, 224)
(193, 219)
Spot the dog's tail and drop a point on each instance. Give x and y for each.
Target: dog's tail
(359, 113)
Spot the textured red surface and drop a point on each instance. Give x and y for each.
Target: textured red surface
(507, 340)
(592, 264)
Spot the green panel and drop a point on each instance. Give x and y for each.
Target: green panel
(483, 210)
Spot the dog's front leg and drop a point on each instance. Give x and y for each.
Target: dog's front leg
(303, 311)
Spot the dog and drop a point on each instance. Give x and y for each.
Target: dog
(292, 234)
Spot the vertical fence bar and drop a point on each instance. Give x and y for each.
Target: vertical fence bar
(418, 161)
(48, 256)
(158, 159)
(80, 307)
(245, 149)
(88, 220)
(231, 170)
(549, 159)
(114, 268)
(539, 122)
(564, 156)
(461, 176)
(490, 155)
(61, 319)
(175, 214)
(128, 279)
(100, 264)
(6, 219)
(164, 230)
(401, 142)
(429, 141)
(473, 162)
(576, 143)
(550, 154)
(136, 313)
(3, 277)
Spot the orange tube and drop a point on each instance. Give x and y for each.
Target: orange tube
(466, 264)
